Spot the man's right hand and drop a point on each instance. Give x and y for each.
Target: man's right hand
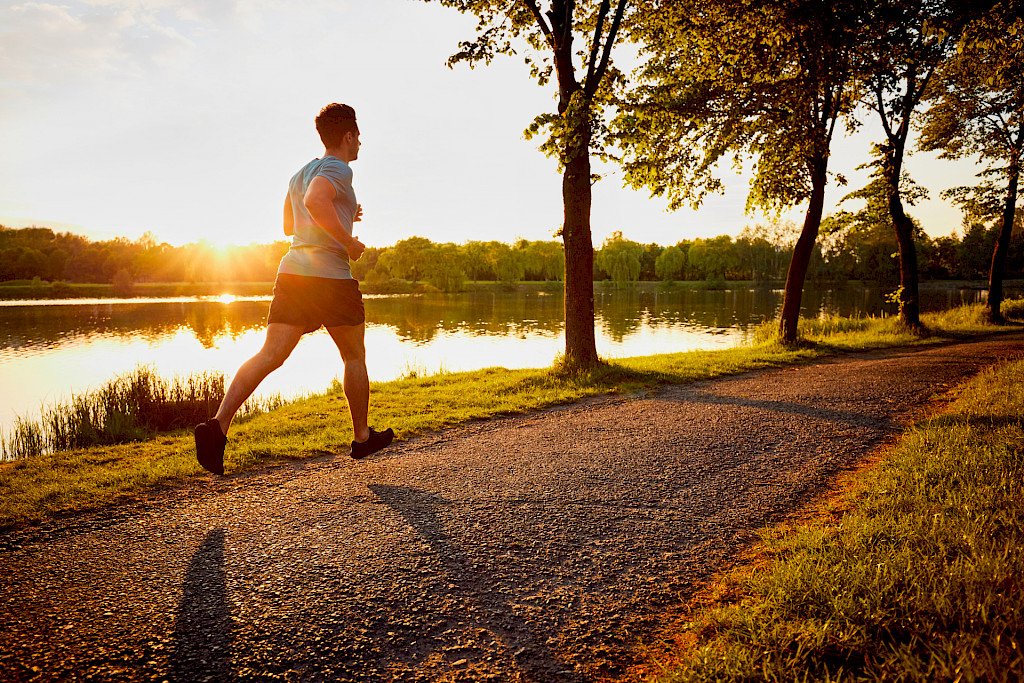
(318, 200)
(355, 249)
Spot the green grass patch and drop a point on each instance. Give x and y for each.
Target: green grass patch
(915, 571)
(62, 481)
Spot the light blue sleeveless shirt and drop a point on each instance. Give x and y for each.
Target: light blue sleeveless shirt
(313, 251)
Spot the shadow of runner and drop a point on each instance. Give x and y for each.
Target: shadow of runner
(203, 631)
(421, 510)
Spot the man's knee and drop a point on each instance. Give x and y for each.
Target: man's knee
(350, 343)
(274, 357)
(353, 354)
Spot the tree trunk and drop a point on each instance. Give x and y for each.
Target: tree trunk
(580, 344)
(910, 309)
(802, 253)
(995, 278)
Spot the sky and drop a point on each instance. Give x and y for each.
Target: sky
(187, 118)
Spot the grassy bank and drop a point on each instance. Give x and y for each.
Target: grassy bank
(36, 487)
(914, 572)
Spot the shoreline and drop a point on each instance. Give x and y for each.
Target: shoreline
(64, 291)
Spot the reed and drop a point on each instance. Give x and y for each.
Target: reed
(130, 407)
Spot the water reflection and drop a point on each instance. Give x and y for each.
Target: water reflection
(49, 325)
(48, 351)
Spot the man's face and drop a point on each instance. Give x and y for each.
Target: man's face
(353, 140)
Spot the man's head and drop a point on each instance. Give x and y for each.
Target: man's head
(334, 123)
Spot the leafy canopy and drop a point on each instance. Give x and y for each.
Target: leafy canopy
(757, 82)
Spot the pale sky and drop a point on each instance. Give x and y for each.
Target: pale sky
(187, 118)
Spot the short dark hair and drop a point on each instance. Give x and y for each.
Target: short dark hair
(334, 121)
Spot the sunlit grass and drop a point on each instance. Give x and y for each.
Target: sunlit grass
(59, 480)
(869, 331)
(913, 573)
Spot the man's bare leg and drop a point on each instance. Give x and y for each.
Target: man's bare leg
(280, 342)
(349, 340)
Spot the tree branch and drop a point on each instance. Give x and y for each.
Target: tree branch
(570, 11)
(591, 63)
(545, 29)
(881, 113)
(606, 55)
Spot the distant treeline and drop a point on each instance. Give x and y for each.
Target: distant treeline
(850, 249)
(30, 253)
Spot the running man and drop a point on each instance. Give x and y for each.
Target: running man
(314, 288)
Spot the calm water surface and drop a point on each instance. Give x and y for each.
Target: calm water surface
(48, 351)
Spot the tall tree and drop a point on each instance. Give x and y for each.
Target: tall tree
(764, 81)
(575, 131)
(978, 110)
(908, 41)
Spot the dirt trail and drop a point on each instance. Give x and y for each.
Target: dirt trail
(531, 548)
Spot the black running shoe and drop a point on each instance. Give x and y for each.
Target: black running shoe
(210, 443)
(377, 441)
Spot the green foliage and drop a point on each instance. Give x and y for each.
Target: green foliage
(977, 101)
(123, 283)
(671, 264)
(543, 38)
(620, 258)
(714, 257)
(445, 269)
(508, 264)
(764, 250)
(749, 81)
(477, 259)
(981, 203)
(408, 259)
(366, 263)
(855, 246)
(542, 260)
(978, 109)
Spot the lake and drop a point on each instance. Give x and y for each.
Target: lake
(49, 350)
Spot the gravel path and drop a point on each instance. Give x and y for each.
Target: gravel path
(531, 548)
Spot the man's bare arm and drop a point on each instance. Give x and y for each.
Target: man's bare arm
(319, 200)
(289, 217)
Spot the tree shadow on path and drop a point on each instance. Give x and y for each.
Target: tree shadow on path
(204, 630)
(817, 412)
(422, 511)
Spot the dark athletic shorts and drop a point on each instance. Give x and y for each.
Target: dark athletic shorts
(311, 302)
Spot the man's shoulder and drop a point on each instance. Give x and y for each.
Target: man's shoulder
(334, 169)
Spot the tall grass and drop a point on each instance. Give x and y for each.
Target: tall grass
(129, 407)
(869, 331)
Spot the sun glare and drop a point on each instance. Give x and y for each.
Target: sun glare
(226, 298)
